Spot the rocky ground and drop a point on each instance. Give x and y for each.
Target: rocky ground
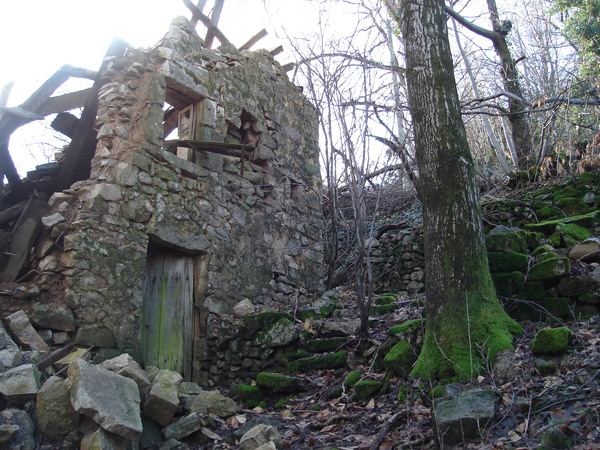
(531, 408)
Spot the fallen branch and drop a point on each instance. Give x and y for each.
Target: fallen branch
(391, 423)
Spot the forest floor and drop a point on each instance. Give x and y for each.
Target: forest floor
(530, 404)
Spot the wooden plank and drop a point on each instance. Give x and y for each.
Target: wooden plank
(197, 14)
(277, 50)
(56, 356)
(222, 148)
(214, 18)
(65, 102)
(253, 40)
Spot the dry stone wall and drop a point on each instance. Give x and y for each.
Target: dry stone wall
(251, 226)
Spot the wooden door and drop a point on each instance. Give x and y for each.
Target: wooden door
(168, 311)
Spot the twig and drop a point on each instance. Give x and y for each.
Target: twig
(391, 423)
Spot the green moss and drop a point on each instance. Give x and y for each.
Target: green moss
(545, 367)
(277, 383)
(298, 354)
(542, 250)
(385, 299)
(331, 361)
(551, 341)
(250, 396)
(353, 377)
(549, 269)
(532, 291)
(506, 242)
(380, 310)
(335, 391)
(450, 346)
(282, 403)
(555, 439)
(547, 308)
(364, 390)
(502, 262)
(406, 327)
(544, 212)
(438, 392)
(507, 284)
(325, 345)
(260, 321)
(588, 220)
(400, 358)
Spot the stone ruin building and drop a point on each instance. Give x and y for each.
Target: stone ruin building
(149, 238)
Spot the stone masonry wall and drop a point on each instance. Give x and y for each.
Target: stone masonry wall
(253, 226)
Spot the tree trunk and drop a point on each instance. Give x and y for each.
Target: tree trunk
(466, 323)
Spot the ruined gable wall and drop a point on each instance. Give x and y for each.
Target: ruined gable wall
(258, 229)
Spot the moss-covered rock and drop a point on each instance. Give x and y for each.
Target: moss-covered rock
(325, 345)
(512, 241)
(281, 333)
(278, 384)
(568, 235)
(555, 439)
(364, 390)
(250, 396)
(549, 269)
(400, 359)
(551, 341)
(385, 299)
(548, 308)
(353, 377)
(532, 290)
(335, 360)
(260, 321)
(508, 284)
(380, 310)
(578, 286)
(507, 262)
(406, 327)
(588, 220)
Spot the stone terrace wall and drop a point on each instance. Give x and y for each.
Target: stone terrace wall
(253, 227)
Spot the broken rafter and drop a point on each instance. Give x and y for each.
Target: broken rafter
(222, 148)
(199, 15)
(254, 39)
(65, 102)
(214, 18)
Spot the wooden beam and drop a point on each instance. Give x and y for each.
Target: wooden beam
(222, 148)
(253, 40)
(83, 144)
(197, 14)
(214, 18)
(201, 4)
(277, 50)
(64, 102)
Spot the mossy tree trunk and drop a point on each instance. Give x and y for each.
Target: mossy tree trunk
(465, 322)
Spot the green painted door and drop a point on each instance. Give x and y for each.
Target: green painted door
(167, 312)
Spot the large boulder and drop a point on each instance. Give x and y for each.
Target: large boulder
(111, 400)
(126, 366)
(53, 317)
(20, 384)
(54, 413)
(19, 325)
(162, 400)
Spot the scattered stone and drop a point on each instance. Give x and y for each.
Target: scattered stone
(173, 444)
(243, 308)
(551, 341)
(54, 413)
(545, 367)
(126, 366)
(554, 438)
(346, 328)
(24, 439)
(279, 334)
(53, 317)
(587, 251)
(549, 269)
(189, 388)
(20, 327)
(184, 427)
(162, 400)
(52, 219)
(101, 439)
(10, 354)
(259, 435)
(464, 416)
(214, 403)
(20, 384)
(7, 433)
(279, 384)
(94, 336)
(506, 365)
(111, 400)
(365, 389)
